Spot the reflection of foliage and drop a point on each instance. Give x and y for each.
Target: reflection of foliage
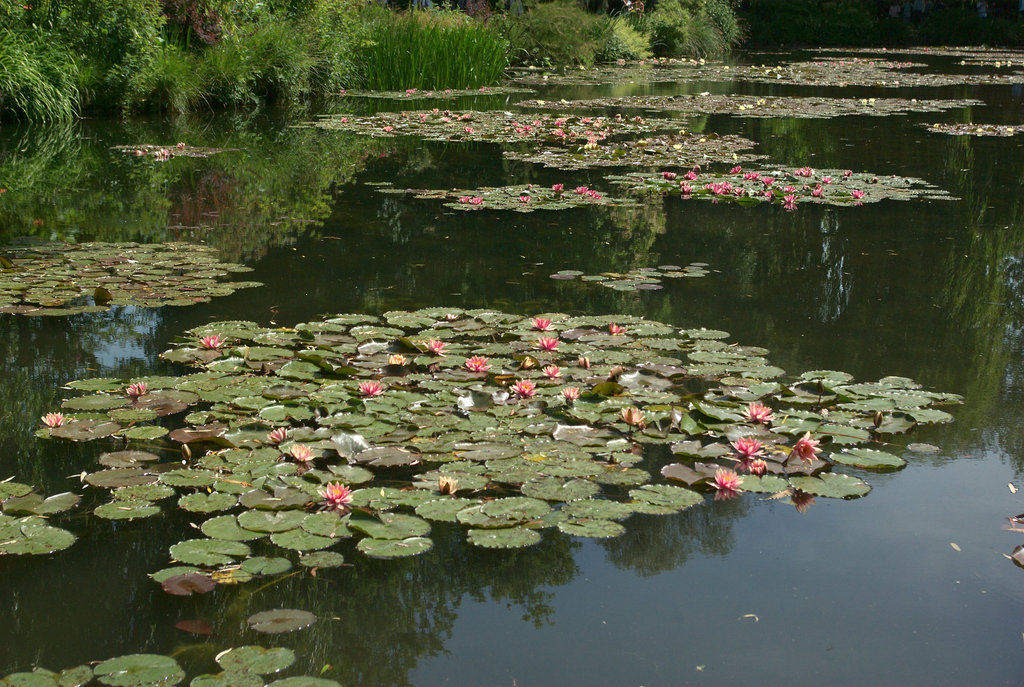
(59, 185)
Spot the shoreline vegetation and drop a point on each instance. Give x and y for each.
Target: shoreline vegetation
(64, 58)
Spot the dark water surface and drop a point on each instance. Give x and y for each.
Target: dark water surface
(869, 591)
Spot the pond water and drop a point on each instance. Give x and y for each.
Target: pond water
(907, 585)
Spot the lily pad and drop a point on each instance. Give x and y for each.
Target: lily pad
(867, 458)
(831, 485)
(280, 620)
(208, 551)
(591, 527)
(256, 659)
(503, 538)
(139, 670)
(394, 548)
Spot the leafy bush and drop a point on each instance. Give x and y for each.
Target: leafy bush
(624, 43)
(38, 80)
(558, 33)
(430, 50)
(687, 29)
(169, 80)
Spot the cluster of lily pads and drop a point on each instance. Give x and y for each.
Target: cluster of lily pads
(562, 141)
(163, 153)
(996, 57)
(439, 94)
(762, 106)
(642, 279)
(243, 665)
(518, 198)
(828, 186)
(69, 278)
(845, 72)
(976, 129)
(367, 427)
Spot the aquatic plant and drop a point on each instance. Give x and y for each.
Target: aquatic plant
(64, 279)
(522, 198)
(956, 129)
(640, 279)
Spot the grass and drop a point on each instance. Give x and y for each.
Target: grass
(430, 51)
(38, 80)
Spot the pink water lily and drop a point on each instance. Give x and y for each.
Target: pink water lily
(580, 190)
(464, 200)
(301, 453)
(756, 412)
(53, 419)
(213, 342)
(276, 436)
(806, 448)
(748, 447)
(691, 175)
(727, 481)
(524, 198)
(668, 175)
(552, 371)
(558, 187)
(477, 363)
(135, 390)
(818, 191)
(541, 324)
(616, 329)
(371, 388)
(524, 388)
(758, 466)
(547, 343)
(436, 347)
(571, 393)
(857, 195)
(397, 359)
(736, 170)
(336, 496)
(847, 173)
(632, 416)
(686, 189)
(476, 200)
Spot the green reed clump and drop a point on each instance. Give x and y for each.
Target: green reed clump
(430, 50)
(38, 80)
(557, 34)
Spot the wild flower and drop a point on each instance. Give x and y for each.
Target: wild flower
(336, 496)
(213, 342)
(524, 388)
(53, 419)
(547, 343)
(806, 448)
(135, 390)
(371, 388)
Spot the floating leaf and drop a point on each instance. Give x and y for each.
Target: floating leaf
(130, 509)
(322, 559)
(394, 548)
(867, 458)
(281, 620)
(266, 566)
(139, 670)
(208, 551)
(591, 527)
(503, 538)
(188, 584)
(389, 525)
(256, 659)
(831, 485)
(658, 499)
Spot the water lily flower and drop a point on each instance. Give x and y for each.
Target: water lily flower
(806, 448)
(548, 343)
(818, 191)
(691, 175)
(632, 416)
(541, 324)
(826, 180)
(276, 436)
(469, 129)
(748, 447)
(552, 371)
(857, 195)
(446, 484)
(136, 390)
(668, 175)
(580, 190)
(789, 202)
(727, 481)
(767, 181)
(758, 467)
(477, 363)
(463, 199)
(301, 453)
(436, 347)
(616, 329)
(389, 129)
(180, 146)
(53, 419)
(213, 343)
(756, 412)
(736, 170)
(397, 359)
(558, 187)
(789, 189)
(524, 388)
(804, 172)
(524, 198)
(571, 393)
(371, 388)
(593, 194)
(336, 496)
(768, 193)
(476, 200)
(686, 189)
(847, 173)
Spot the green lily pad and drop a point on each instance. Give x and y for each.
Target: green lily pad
(261, 565)
(321, 559)
(139, 670)
(326, 524)
(555, 489)
(831, 485)
(207, 503)
(599, 509)
(226, 527)
(444, 509)
(299, 540)
(394, 548)
(867, 458)
(591, 527)
(131, 509)
(304, 681)
(503, 538)
(256, 659)
(389, 526)
(271, 521)
(280, 620)
(208, 551)
(34, 504)
(658, 499)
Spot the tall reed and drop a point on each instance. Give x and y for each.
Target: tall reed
(428, 50)
(38, 80)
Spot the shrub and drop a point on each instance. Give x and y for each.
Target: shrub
(558, 33)
(169, 80)
(678, 29)
(624, 42)
(38, 79)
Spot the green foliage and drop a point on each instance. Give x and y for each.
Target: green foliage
(624, 42)
(429, 51)
(168, 80)
(687, 29)
(37, 79)
(556, 33)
